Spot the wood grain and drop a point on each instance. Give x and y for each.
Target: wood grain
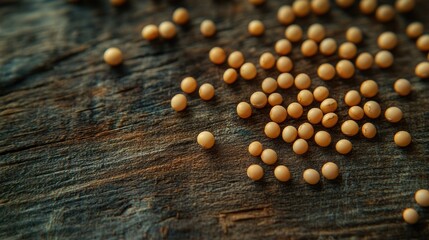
(88, 151)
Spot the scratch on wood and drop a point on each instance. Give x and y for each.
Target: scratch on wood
(164, 231)
(227, 219)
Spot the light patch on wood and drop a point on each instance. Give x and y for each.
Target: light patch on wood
(228, 219)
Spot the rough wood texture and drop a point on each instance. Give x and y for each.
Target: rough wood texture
(89, 151)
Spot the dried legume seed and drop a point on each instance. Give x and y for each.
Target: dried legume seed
(179, 102)
(311, 176)
(269, 156)
(369, 130)
(402, 138)
(289, 134)
(206, 140)
(255, 148)
(410, 216)
(322, 138)
(255, 172)
(393, 114)
(330, 170)
(244, 110)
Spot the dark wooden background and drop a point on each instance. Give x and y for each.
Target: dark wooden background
(88, 151)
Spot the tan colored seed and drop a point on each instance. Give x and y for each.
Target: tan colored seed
(329, 120)
(230, 76)
(344, 3)
(404, 6)
(393, 114)
(269, 85)
(369, 130)
(255, 148)
(314, 115)
(244, 110)
(349, 128)
(367, 6)
(275, 99)
(113, 56)
(328, 46)
(181, 16)
(285, 15)
(414, 30)
(356, 113)
(322, 138)
(422, 70)
(316, 32)
(311, 176)
(179, 102)
(289, 134)
(283, 47)
(309, 48)
(248, 71)
(305, 97)
(345, 69)
(385, 13)
(328, 105)
(320, 93)
(330, 170)
(189, 85)
(347, 50)
(295, 110)
(320, 7)
(302, 81)
(117, 3)
(150, 32)
(384, 59)
(372, 109)
(267, 60)
(364, 61)
(206, 140)
(343, 146)
(284, 64)
(402, 87)
(300, 146)
(256, 28)
(410, 216)
(269, 156)
(255, 172)
(282, 173)
(305, 131)
(352, 98)
(206, 91)
(167, 30)
(422, 197)
(293, 33)
(278, 114)
(423, 43)
(354, 35)
(272, 130)
(387, 40)
(285, 80)
(258, 99)
(402, 138)
(326, 71)
(369, 88)
(235, 59)
(301, 8)
(217, 55)
(208, 28)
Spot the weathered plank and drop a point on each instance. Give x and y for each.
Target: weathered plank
(87, 151)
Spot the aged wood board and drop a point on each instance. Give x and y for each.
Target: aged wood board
(93, 152)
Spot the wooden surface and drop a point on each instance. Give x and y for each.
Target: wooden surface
(93, 152)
